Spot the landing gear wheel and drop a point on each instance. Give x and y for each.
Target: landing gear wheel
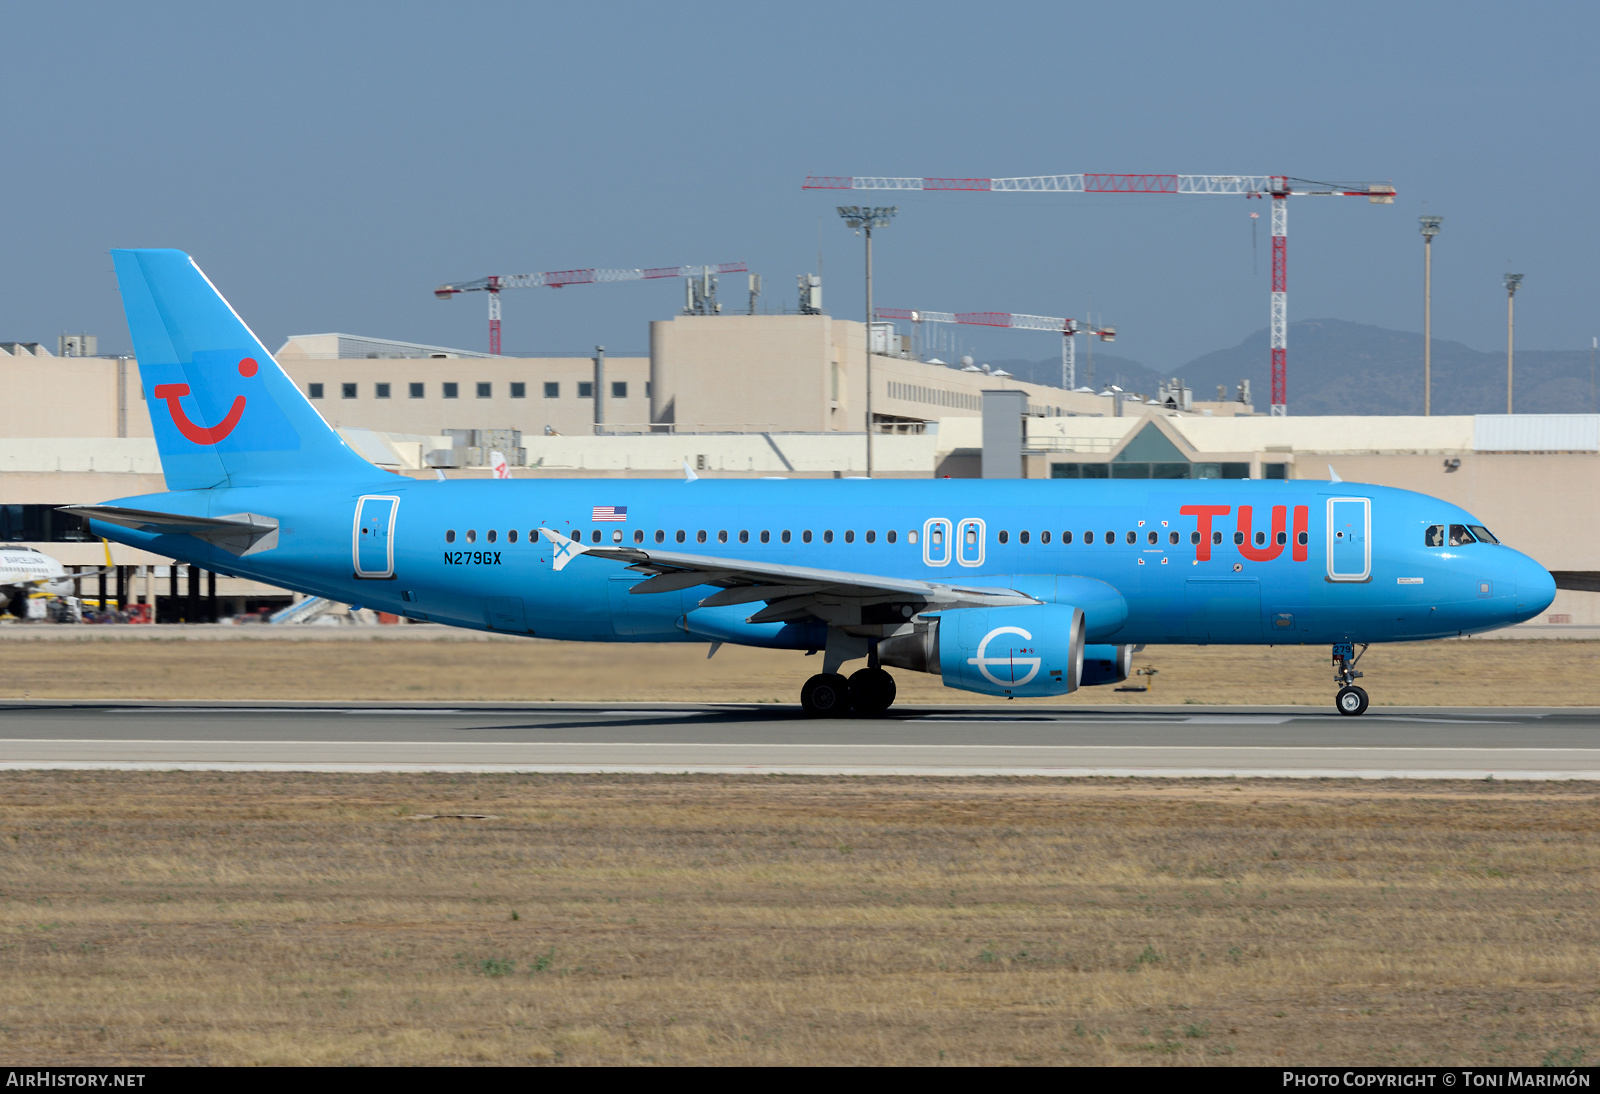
(826, 695)
(1351, 701)
(872, 691)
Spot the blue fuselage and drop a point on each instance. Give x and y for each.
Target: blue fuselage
(1319, 562)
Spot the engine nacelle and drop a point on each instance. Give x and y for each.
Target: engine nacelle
(1106, 665)
(1025, 650)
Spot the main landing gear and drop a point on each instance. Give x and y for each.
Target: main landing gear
(868, 693)
(1351, 700)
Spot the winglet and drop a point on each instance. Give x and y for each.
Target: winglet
(1333, 476)
(688, 473)
(565, 549)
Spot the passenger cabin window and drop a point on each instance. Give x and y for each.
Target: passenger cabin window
(511, 536)
(766, 536)
(1002, 536)
(1153, 537)
(1216, 538)
(744, 535)
(594, 536)
(450, 535)
(1194, 537)
(1459, 536)
(700, 536)
(911, 536)
(491, 535)
(827, 535)
(1044, 537)
(872, 537)
(472, 535)
(1088, 537)
(1022, 537)
(638, 535)
(1172, 538)
(805, 537)
(661, 535)
(1238, 537)
(785, 536)
(681, 536)
(849, 536)
(1133, 537)
(722, 536)
(1303, 538)
(1066, 537)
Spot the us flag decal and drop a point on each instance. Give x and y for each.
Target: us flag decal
(610, 512)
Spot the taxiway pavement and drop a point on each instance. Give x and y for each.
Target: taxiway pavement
(1396, 742)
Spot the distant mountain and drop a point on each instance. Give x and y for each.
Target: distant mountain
(1338, 367)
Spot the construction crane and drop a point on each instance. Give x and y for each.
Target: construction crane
(700, 289)
(1277, 187)
(1067, 328)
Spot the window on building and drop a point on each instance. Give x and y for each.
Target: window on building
(586, 389)
(485, 391)
(647, 389)
(552, 390)
(519, 390)
(347, 391)
(1274, 470)
(416, 390)
(313, 391)
(380, 391)
(450, 390)
(619, 389)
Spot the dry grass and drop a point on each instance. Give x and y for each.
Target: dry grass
(300, 919)
(1477, 673)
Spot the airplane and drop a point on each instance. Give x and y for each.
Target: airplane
(26, 572)
(1006, 588)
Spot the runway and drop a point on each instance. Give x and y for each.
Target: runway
(1293, 742)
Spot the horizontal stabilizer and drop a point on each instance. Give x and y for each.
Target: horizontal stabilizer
(237, 533)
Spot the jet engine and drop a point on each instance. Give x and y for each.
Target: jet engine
(1028, 650)
(1106, 665)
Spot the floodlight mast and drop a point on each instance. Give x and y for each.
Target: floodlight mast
(1429, 229)
(1277, 187)
(864, 218)
(1513, 283)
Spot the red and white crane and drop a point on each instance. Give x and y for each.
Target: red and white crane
(1067, 328)
(557, 279)
(1277, 187)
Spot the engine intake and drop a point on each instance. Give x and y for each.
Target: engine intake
(1025, 650)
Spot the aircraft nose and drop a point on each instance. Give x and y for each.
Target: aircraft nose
(1535, 587)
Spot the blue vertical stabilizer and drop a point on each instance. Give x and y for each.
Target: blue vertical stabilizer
(224, 413)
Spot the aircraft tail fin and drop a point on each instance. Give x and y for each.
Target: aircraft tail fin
(224, 413)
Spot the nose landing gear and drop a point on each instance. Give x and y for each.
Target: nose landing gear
(1351, 700)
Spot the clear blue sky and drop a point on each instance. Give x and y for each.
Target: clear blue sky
(329, 163)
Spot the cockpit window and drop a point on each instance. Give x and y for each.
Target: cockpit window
(1459, 535)
(1434, 536)
(1483, 534)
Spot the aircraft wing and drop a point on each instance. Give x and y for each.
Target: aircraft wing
(790, 592)
(236, 533)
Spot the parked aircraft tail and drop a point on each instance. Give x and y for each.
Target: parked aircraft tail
(224, 413)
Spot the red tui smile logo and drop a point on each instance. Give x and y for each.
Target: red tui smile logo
(201, 434)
